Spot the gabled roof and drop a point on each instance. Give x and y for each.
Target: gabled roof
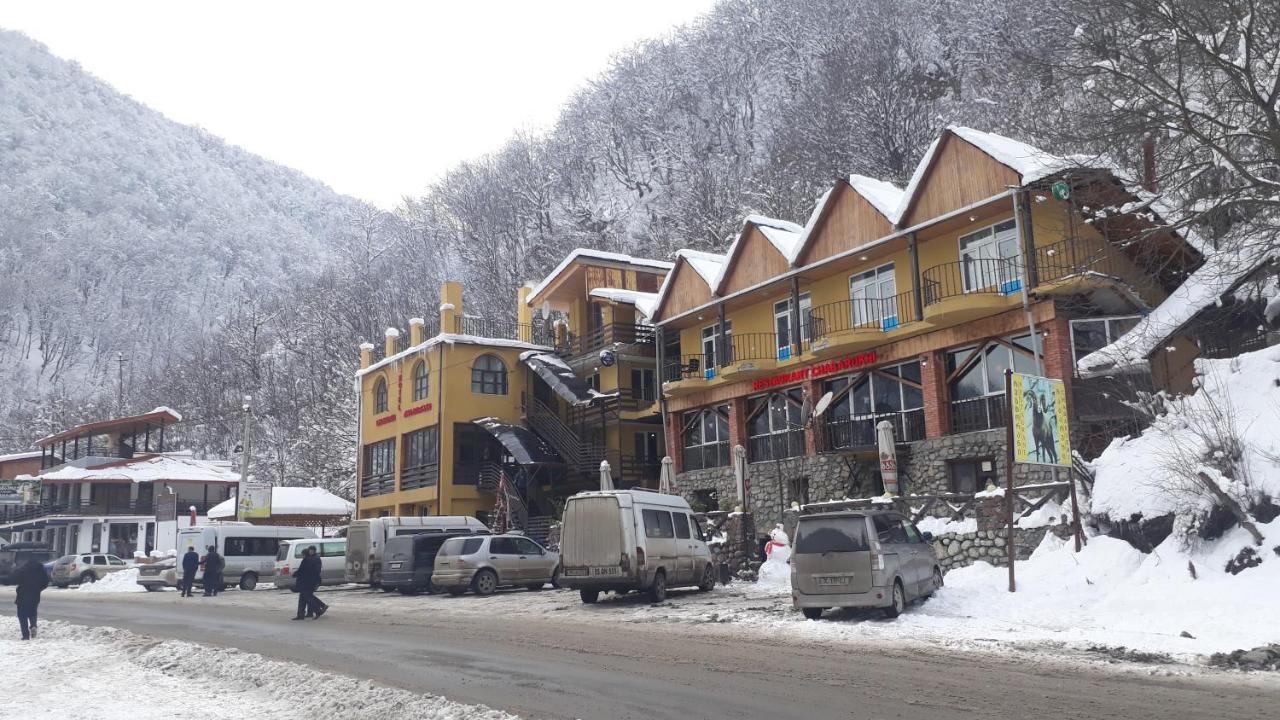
(883, 196)
(153, 468)
(784, 236)
(707, 266)
(591, 257)
(644, 302)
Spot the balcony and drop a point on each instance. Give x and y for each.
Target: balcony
(423, 476)
(1081, 265)
(850, 326)
(970, 288)
(972, 415)
(536, 333)
(124, 507)
(635, 338)
(752, 355)
(859, 432)
(684, 374)
(373, 485)
(639, 470)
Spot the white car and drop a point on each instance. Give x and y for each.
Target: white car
(333, 554)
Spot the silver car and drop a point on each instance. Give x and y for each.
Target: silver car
(488, 562)
(868, 559)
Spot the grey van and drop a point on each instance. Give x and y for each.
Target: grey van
(409, 560)
(861, 559)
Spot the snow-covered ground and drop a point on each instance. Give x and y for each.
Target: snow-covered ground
(104, 674)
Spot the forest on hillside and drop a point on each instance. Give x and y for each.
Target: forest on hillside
(214, 274)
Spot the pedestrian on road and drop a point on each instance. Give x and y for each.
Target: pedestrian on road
(32, 580)
(190, 564)
(307, 580)
(213, 565)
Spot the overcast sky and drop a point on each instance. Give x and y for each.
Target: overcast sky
(375, 98)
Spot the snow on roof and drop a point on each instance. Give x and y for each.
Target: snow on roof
(589, 254)
(883, 196)
(1219, 274)
(706, 264)
(154, 468)
(20, 456)
(784, 236)
(559, 376)
(645, 302)
(449, 339)
(293, 501)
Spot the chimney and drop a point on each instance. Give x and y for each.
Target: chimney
(1149, 164)
(524, 314)
(366, 355)
(450, 306)
(417, 331)
(390, 343)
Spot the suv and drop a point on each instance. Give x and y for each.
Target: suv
(82, 569)
(861, 559)
(486, 563)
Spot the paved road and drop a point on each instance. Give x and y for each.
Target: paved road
(547, 666)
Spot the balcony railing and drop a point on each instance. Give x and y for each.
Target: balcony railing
(20, 513)
(972, 276)
(701, 457)
(413, 478)
(610, 335)
(984, 413)
(686, 367)
(859, 432)
(754, 346)
(371, 485)
(536, 333)
(642, 469)
(862, 314)
(776, 446)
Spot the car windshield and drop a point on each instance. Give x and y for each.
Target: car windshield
(824, 535)
(283, 552)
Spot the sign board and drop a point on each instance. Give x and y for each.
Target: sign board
(1061, 190)
(888, 456)
(1041, 435)
(166, 506)
(830, 367)
(255, 501)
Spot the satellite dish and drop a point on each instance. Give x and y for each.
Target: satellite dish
(823, 403)
(607, 357)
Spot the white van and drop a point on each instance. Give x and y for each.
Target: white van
(623, 540)
(333, 556)
(366, 539)
(249, 550)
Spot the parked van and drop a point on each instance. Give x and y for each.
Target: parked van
(408, 562)
(367, 539)
(333, 557)
(249, 550)
(861, 559)
(624, 540)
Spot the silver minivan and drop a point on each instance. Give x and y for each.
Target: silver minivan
(861, 559)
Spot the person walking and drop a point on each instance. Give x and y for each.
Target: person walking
(307, 581)
(213, 565)
(32, 580)
(190, 564)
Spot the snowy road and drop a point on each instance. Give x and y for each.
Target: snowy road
(624, 659)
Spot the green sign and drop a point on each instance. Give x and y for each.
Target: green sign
(1061, 190)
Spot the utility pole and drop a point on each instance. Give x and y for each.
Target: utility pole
(246, 445)
(120, 383)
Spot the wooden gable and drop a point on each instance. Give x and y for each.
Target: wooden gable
(754, 260)
(686, 291)
(958, 175)
(847, 221)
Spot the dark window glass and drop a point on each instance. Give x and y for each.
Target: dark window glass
(489, 376)
(421, 447)
(503, 546)
(696, 528)
(528, 547)
(380, 396)
(421, 381)
(889, 529)
(913, 535)
(824, 535)
(471, 546)
(681, 526)
(380, 458)
(657, 524)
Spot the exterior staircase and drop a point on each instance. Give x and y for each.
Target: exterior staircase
(581, 456)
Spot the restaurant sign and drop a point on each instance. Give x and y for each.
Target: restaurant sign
(832, 367)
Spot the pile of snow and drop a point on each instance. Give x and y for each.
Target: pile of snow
(1133, 475)
(123, 581)
(293, 501)
(943, 526)
(775, 574)
(71, 671)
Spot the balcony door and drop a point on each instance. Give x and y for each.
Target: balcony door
(873, 296)
(782, 323)
(988, 259)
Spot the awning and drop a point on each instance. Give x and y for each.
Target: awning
(559, 376)
(524, 445)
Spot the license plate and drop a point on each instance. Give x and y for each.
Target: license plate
(833, 581)
(395, 566)
(575, 572)
(605, 571)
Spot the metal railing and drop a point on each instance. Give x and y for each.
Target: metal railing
(585, 456)
(971, 276)
(371, 485)
(776, 446)
(20, 513)
(639, 468)
(535, 333)
(754, 346)
(848, 433)
(413, 478)
(686, 367)
(701, 457)
(610, 335)
(862, 314)
(984, 413)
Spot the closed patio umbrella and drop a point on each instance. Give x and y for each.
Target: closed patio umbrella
(740, 474)
(606, 475)
(666, 478)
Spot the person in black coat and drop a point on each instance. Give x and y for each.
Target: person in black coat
(190, 564)
(307, 580)
(213, 565)
(31, 580)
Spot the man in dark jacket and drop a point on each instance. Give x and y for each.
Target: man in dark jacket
(213, 564)
(307, 580)
(190, 564)
(32, 580)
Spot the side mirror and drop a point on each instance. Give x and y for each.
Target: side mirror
(928, 536)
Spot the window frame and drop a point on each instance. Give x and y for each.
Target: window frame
(708, 417)
(782, 321)
(381, 401)
(489, 380)
(864, 281)
(383, 451)
(987, 279)
(421, 381)
(710, 335)
(1107, 323)
(655, 531)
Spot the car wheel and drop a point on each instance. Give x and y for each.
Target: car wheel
(813, 613)
(899, 601)
(151, 588)
(708, 578)
(937, 579)
(88, 577)
(658, 591)
(589, 596)
(455, 591)
(407, 590)
(555, 578)
(485, 582)
(533, 587)
(248, 581)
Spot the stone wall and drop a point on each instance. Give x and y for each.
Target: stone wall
(926, 462)
(956, 550)
(733, 545)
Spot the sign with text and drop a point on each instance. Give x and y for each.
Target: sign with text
(255, 500)
(166, 506)
(816, 371)
(1038, 409)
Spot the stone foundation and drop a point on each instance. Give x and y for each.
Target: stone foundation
(737, 551)
(926, 463)
(957, 550)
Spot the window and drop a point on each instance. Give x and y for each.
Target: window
(593, 382)
(99, 559)
(682, 525)
(984, 374)
(421, 381)
(113, 560)
(835, 535)
(988, 259)
(696, 527)
(711, 355)
(874, 298)
(1096, 333)
(421, 447)
(642, 384)
(913, 535)
(503, 546)
(889, 529)
(528, 547)
(380, 396)
(774, 425)
(380, 458)
(799, 488)
(489, 376)
(250, 546)
(657, 524)
(706, 438)
(972, 475)
(782, 323)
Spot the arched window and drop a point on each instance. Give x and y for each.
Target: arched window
(421, 382)
(380, 396)
(489, 376)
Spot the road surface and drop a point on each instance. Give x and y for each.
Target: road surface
(549, 666)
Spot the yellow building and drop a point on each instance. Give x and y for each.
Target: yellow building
(515, 415)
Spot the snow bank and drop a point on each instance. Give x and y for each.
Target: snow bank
(124, 581)
(109, 674)
(293, 501)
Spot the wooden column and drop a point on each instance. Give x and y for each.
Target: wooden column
(917, 297)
